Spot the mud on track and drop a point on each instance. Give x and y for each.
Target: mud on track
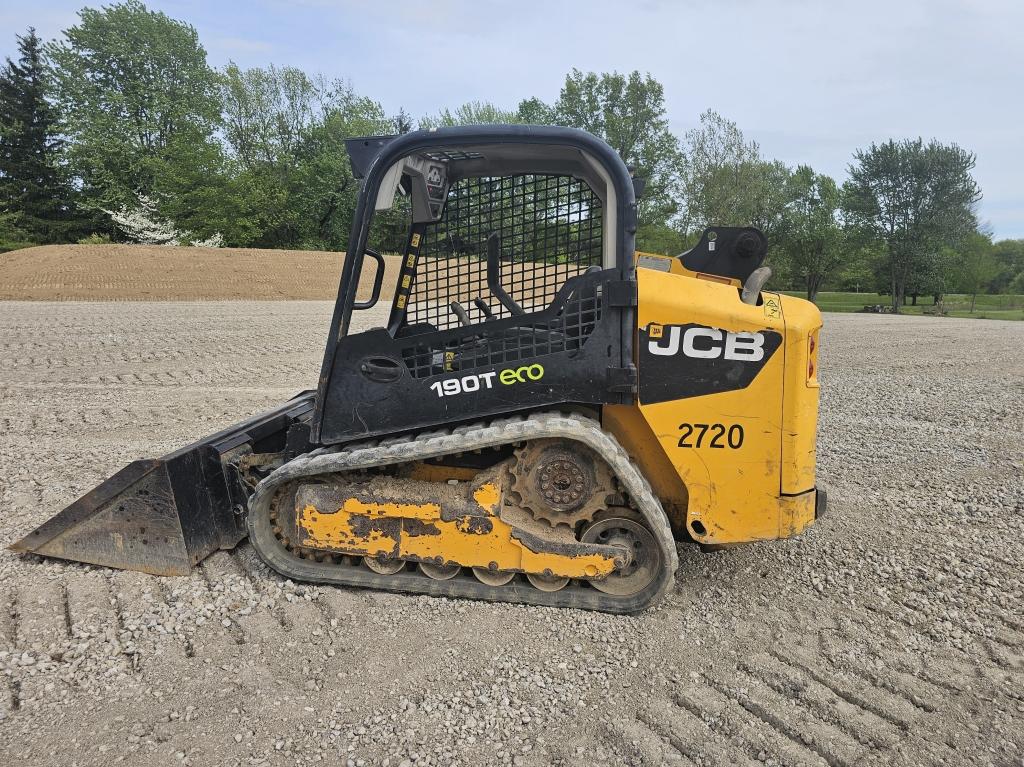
(890, 633)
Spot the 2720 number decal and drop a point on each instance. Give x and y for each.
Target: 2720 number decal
(718, 435)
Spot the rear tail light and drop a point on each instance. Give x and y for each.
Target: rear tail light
(812, 358)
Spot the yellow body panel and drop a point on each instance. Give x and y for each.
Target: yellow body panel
(422, 535)
(761, 484)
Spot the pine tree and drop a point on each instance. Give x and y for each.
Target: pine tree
(34, 193)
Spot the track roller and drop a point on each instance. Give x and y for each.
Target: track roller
(492, 577)
(439, 572)
(547, 582)
(384, 566)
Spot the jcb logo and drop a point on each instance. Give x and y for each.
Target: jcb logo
(705, 343)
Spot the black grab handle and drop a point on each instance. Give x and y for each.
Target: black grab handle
(378, 279)
(494, 275)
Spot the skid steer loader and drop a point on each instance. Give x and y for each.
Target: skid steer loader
(543, 415)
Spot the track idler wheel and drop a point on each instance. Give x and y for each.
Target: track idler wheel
(645, 561)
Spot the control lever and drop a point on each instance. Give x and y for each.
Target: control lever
(494, 276)
(484, 308)
(460, 311)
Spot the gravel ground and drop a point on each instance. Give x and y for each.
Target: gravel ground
(892, 632)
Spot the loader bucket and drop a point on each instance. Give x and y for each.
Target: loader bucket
(164, 515)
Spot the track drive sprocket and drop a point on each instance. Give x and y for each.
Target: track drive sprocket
(560, 482)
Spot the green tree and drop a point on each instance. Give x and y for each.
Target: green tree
(627, 111)
(136, 95)
(916, 198)
(327, 188)
(811, 233)
(935, 276)
(858, 271)
(725, 181)
(1010, 256)
(533, 111)
(470, 113)
(285, 134)
(769, 196)
(401, 122)
(976, 266)
(203, 191)
(718, 171)
(35, 195)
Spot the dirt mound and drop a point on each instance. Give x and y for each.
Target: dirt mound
(156, 273)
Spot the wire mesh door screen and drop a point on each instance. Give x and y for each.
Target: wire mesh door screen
(549, 228)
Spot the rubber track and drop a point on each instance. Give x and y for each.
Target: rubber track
(465, 439)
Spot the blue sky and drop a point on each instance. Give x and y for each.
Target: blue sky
(810, 80)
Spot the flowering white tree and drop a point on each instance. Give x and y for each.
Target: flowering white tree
(145, 225)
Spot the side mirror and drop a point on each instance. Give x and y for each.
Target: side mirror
(378, 280)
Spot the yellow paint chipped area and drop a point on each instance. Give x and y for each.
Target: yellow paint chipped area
(406, 510)
(336, 528)
(488, 496)
(796, 512)
(472, 541)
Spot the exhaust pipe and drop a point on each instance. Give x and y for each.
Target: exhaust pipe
(165, 515)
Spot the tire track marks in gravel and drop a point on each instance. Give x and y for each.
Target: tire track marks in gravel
(791, 717)
(922, 694)
(42, 631)
(180, 641)
(42, 615)
(881, 635)
(897, 710)
(638, 739)
(900, 612)
(689, 735)
(724, 714)
(797, 706)
(8, 619)
(8, 639)
(859, 724)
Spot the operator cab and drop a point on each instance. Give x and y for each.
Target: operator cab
(519, 253)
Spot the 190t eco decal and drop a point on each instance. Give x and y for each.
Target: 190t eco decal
(680, 361)
(476, 381)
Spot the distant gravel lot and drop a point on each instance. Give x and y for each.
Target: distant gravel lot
(892, 632)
